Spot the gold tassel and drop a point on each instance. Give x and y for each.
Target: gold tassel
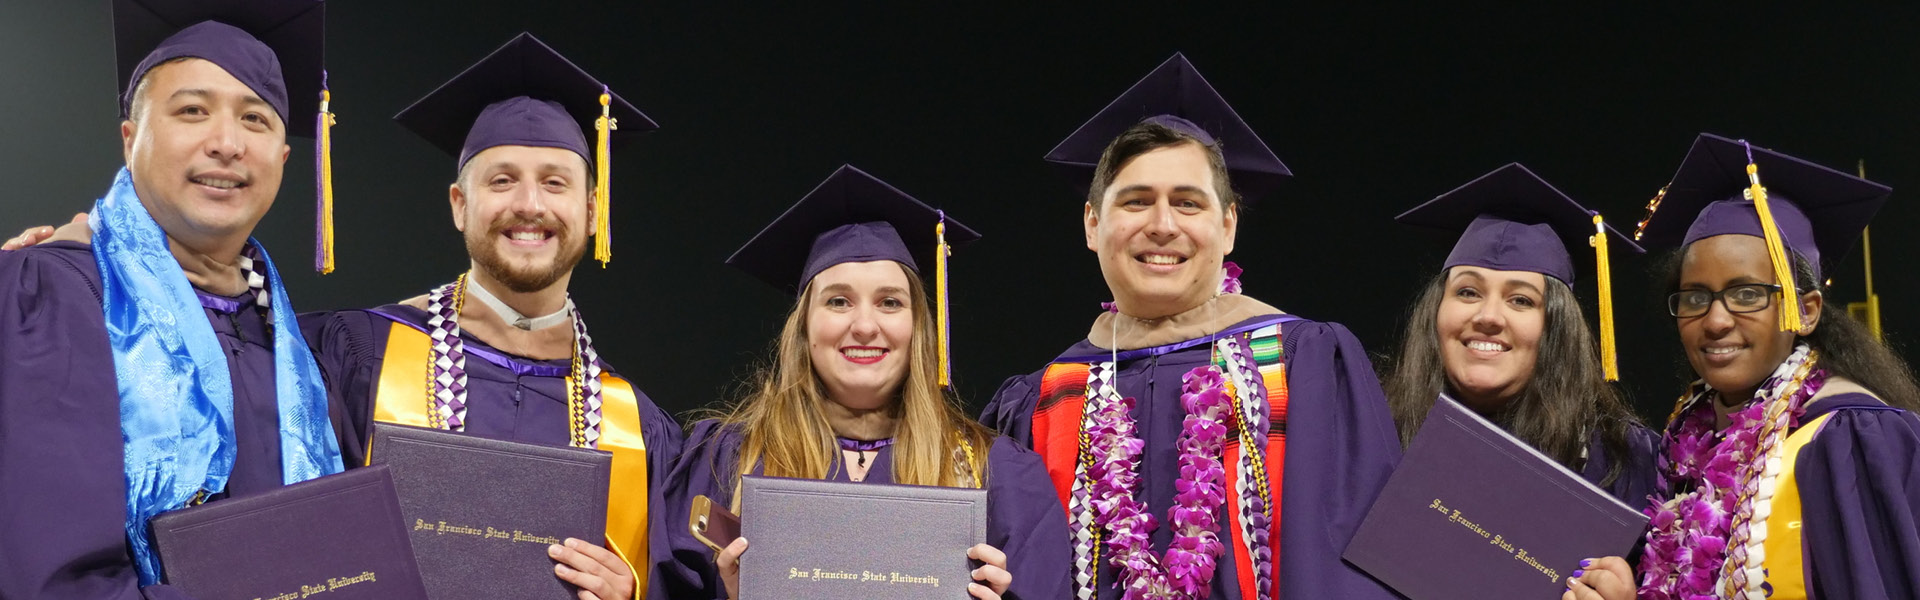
(1609, 358)
(324, 260)
(940, 253)
(1777, 251)
(602, 155)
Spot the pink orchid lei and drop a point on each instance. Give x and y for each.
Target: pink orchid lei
(1189, 564)
(1688, 537)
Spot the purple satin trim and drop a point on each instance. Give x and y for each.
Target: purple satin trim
(1127, 355)
(864, 445)
(519, 368)
(219, 303)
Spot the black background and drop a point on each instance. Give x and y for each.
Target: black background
(1375, 108)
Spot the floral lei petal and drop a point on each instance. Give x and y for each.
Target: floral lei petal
(1189, 564)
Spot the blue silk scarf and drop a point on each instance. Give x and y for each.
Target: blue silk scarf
(176, 397)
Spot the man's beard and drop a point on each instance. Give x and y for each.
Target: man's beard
(524, 280)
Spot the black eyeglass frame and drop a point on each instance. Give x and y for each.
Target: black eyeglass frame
(1673, 299)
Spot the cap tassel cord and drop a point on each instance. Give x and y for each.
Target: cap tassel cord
(323, 156)
(602, 155)
(1777, 250)
(940, 253)
(1609, 358)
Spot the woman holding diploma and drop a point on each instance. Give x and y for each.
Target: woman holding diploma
(1500, 330)
(856, 392)
(1790, 463)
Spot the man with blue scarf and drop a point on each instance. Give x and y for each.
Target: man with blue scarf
(160, 366)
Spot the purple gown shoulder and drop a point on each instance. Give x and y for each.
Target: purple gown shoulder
(1859, 481)
(1639, 475)
(60, 447)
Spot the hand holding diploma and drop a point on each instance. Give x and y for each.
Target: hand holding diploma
(994, 573)
(600, 573)
(1601, 579)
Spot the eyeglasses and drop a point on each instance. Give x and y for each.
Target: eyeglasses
(1744, 298)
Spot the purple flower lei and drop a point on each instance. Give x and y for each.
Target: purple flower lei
(1189, 564)
(1687, 540)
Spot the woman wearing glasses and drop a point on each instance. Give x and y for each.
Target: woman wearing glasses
(1500, 330)
(1790, 465)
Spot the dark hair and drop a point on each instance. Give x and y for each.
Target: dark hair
(1147, 136)
(1846, 347)
(1566, 398)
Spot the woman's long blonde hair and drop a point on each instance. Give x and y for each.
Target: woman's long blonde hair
(785, 425)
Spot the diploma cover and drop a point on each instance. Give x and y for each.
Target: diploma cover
(337, 537)
(482, 511)
(830, 539)
(1473, 512)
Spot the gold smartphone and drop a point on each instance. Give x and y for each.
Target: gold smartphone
(712, 523)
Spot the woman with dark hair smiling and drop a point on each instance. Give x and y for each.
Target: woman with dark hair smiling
(1790, 463)
(1500, 330)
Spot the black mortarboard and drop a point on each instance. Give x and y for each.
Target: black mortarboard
(1818, 211)
(1512, 220)
(850, 217)
(1175, 95)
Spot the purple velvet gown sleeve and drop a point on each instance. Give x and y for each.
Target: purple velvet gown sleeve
(664, 443)
(1025, 520)
(706, 458)
(1341, 447)
(1011, 410)
(60, 451)
(348, 351)
(1859, 483)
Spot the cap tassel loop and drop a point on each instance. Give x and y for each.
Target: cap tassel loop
(323, 178)
(603, 174)
(1609, 358)
(1776, 249)
(940, 253)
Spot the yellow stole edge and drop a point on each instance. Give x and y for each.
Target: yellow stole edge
(402, 399)
(1786, 569)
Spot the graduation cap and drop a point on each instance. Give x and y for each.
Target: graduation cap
(1176, 96)
(526, 94)
(855, 217)
(1727, 186)
(1512, 220)
(276, 48)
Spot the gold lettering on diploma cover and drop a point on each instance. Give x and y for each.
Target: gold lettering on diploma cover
(1493, 539)
(484, 532)
(871, 577)
(331, 584)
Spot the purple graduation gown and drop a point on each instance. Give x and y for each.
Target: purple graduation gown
(62, 524)
(1024, 518)
(1341, 446)
(523, 401)
(1640, 475)
(1859, 482)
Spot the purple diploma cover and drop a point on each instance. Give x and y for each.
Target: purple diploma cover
(826, 539)
(482, 511)
(337, 537)
(1473, 512)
